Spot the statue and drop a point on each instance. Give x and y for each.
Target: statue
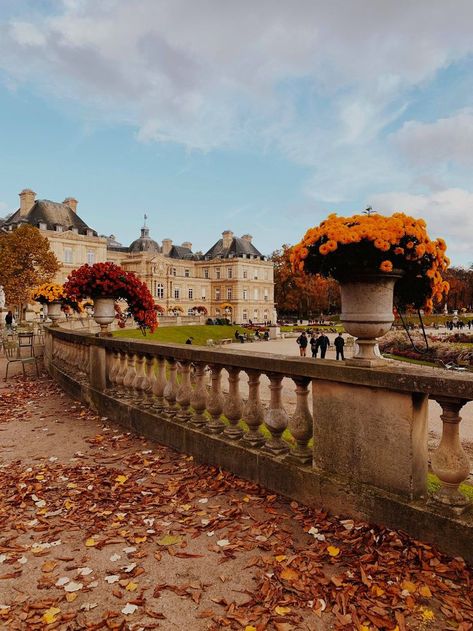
(2, 298)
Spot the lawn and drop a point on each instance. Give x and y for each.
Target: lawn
(179, 334)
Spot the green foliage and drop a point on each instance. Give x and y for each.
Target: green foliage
(179, 334)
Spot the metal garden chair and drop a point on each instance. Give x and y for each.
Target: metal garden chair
(12, 352)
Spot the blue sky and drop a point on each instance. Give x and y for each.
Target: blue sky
(255, 117)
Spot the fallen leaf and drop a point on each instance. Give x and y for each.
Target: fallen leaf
(112, 578)
(48, 566)
(169, 540)
(50, 615)
(72, 586)
(90, 542)
(129, 609)
(288, 574)
(71, 597)
(131, 587)
(333, 551)
(121, 479)
(282, 611)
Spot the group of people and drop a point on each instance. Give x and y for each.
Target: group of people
(460, 324)
(320, 343)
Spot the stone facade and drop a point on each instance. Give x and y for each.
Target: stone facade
(232, 279)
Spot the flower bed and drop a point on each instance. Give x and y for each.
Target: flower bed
(107, 280)
(375, 243)
(397, 343)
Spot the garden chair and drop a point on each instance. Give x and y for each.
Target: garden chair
(12, 350)
(451, 366)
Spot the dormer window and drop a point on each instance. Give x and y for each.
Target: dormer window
(58, 228)
(90, 233)
(75, 230)
(43, 225)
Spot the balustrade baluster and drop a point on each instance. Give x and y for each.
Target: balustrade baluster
(301, 423)
(139, 382)
(276, 418)
(199, 396)
(150, 375)
(233, 405)
(160, 383)
(130, 372)
(122, 370)
(253, 412)
(215, 401)
(184, 392)
(170, 389)
(114, 368)
(450, 462)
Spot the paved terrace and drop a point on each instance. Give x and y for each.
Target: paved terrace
(104, 530)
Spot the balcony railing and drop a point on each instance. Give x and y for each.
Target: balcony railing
(355, 440)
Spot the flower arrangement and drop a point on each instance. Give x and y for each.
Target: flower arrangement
(376, 243)
(48, 292)
(107, 280)
(53, 292)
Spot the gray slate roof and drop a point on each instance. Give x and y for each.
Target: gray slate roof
(52, 214)
(144, 244)
(238, 247)
(179, 252)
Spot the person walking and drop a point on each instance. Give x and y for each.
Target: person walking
(339, 344)
(313, 346)
(189, 340)
(323, 343)
(302, 341)
(9, 320)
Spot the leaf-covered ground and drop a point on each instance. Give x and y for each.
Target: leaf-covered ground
(104, 530)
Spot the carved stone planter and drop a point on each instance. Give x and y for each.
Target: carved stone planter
(54, 311)
(104, 313)
(367, 312)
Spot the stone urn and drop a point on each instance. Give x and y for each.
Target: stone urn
(367, 312)
(104, 313)
(54, 311)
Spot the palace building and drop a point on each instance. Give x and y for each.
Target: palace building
(232, 279)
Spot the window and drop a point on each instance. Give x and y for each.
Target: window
(245, 273)
(229, 293)
(90, 233)
(186, 273)
(159, 292)
(90, 257)
(256, 293)
(256, 274)
(58, 228)
(266, 274)
(206, 272)
(191, 293)
(245, 294)
(245, 316)
(255, 314)
(43, 226)
(174, 272)
(217, 293)
(203, 292)
(177, 293)
(217, 273)
(229, 272)
(266, 294)
(190, 311)
(67, 255)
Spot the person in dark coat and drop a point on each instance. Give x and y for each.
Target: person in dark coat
(323, 343)
(189, 340)
(339, 344)
(302, 341)
(313, 346)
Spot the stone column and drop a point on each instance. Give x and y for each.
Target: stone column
(253, 412)
(199, 396)
(275, 418)
(184, 391)
(233, 404)
(301, 422)
(171, 389)
(450, 462)
(215, 402)
(97, 368)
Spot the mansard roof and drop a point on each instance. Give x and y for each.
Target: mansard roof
(52, 214)
(181, 252)
(238, 247)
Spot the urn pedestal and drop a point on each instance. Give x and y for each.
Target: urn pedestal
(54, 311)
(104, 313)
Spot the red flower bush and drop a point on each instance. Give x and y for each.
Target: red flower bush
(107, 280)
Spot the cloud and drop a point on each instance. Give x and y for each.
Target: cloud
(212, 74)
(448, 214)
(444, 141)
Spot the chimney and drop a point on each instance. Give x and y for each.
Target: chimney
(247, 237)
(27, 199)
(227, 239)
(167, 245)
(71, 202)
(187, 244)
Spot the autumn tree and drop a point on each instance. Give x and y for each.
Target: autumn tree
(302, 295)
(25, 262)
(460, 295)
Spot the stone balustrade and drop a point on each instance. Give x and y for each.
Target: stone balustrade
(356, 442)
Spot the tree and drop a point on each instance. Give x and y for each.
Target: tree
(461, 288)
(304, 295)
(25, 262)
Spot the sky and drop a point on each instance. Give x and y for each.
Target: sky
(257, 117)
